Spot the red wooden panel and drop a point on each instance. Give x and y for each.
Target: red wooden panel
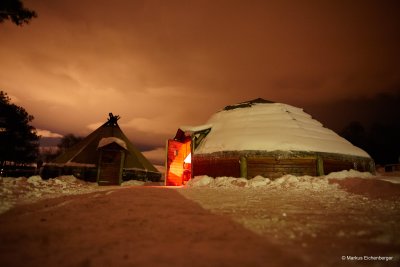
(273, 167)
(332, 165)
(216, 167)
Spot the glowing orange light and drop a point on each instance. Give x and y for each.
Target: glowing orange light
(178, 162)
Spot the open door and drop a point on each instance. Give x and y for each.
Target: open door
(179, 168)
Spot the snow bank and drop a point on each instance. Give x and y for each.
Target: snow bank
(286, 181)
(25, 190)
(206, 181)
(272, 127)
(133, 183)
(35, 180)
(201, 181)
(347, 174)
(259, 181)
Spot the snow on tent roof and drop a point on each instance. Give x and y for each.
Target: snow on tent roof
(269, 126)
(194, 129)
(109, 140)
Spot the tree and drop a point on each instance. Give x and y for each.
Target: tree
(68, 141)
(355, 134)
(19, 142)
(380, 141)
(15, 11)
(384, 143)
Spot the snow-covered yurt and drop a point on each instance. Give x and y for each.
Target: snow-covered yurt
(260, 137)
(106, 156)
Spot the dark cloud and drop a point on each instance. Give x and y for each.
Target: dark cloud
(379, 109)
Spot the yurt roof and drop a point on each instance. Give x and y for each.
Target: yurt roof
(268, 126)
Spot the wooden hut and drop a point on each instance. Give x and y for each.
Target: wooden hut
(260, 137)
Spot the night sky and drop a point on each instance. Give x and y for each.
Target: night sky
(163, 64)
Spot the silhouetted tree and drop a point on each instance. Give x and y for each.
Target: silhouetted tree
(15, 11)
(18, 139)
(68, 141)
(355, 134)
(48, 154)
(384, 143)
(381, 141)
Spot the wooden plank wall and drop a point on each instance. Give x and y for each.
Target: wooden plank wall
(333, 165)
(273, 168)
(364, 166)
(110, 167)
(216, 167)
(272, 165)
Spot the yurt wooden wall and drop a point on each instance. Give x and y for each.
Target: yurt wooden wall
(215, 166)
(275, 167)
(249, 164)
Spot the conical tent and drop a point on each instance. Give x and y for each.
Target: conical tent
(84, 157)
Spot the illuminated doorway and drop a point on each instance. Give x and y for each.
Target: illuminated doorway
(179, 166)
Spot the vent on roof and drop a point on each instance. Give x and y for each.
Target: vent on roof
(112, 120)
(248, 104)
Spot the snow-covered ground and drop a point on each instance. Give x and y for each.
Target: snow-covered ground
(22, 190)
(310, 215)
(287, 181)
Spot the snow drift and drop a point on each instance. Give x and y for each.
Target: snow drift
(25, 190)
(286, 181)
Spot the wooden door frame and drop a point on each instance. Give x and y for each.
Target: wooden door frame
(122, 161)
